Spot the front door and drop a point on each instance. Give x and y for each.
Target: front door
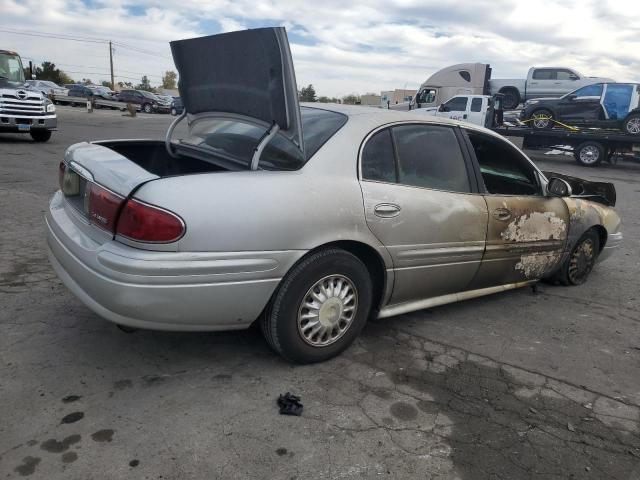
(420, 203)
(585, 107)
(527, 231)
(455, 109)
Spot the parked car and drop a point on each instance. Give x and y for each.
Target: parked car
(148, 102)
(47, 87)
(602, 105)
(177, 107)
(308, 219)
(164, 103)
(102, 92)
(82, 91)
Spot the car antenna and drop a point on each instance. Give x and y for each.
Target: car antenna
(167, 138)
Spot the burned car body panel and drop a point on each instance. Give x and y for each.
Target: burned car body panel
(599, 192)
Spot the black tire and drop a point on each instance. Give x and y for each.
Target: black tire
(147, 108)
(576, 269)
(589, 154)
(632, 124)
(511, 98)
(280, 323)
(541, 124)
(174, 112)
(40, 135)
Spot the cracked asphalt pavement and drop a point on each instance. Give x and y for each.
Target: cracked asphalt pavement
(518, 385)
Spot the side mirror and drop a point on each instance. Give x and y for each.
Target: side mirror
(573, 77)
(443, 108)
(557, 187)
(571, 97)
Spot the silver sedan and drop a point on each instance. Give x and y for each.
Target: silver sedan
(315, 224)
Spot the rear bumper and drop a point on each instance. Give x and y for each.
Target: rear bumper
(162, 290)
(26, 123)
(614, 240)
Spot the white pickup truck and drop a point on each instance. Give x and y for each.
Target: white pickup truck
(476, 109)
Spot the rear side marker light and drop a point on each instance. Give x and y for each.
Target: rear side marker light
(142, 222)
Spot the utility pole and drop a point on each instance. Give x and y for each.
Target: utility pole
(113, 85)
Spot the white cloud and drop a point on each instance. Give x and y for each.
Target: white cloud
(343, 47)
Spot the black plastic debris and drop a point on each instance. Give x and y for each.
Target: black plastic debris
(290, 404)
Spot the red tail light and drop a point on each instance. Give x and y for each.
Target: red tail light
(103, 207)
(146, 223)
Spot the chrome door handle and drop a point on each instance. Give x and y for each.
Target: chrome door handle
(501, 214)
(387, 210)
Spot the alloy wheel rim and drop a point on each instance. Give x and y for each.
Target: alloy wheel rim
(327, 310)
(633, 126)
(582, 261)
(589, 154)
(541, 120)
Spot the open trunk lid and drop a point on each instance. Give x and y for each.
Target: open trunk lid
(246, 75)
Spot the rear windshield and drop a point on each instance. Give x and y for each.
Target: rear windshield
(236, 141)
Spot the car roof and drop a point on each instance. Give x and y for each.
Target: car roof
(373, 117)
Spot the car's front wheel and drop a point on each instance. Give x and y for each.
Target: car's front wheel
(541, 119)
(320, 307)
(40, 135)
(147, 108)
(174, 112)
(632, 124)
(578, 266)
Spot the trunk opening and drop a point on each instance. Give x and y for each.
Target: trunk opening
(152, 156)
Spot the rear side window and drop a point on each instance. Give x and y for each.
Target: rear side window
(544, 74)
(429, 156)
(378, 161)
(476, 105)
(589, 91)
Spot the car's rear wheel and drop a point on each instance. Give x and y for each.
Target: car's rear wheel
(541, 119)
(632, 124)
(589, 154)
(40, 135)
(578, 266)
(510, 99)
(320, 307)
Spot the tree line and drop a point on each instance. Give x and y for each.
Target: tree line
(308, 94)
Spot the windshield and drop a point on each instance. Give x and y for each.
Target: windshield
(236, 141)
(11, 68)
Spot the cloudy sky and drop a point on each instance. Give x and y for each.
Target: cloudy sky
(341, 47)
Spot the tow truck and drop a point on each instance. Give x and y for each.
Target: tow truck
(22, 109)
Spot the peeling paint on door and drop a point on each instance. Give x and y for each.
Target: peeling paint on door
(534, 227)
(536, 265)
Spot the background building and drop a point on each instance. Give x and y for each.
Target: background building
(396, 96)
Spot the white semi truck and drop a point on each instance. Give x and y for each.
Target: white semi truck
(475, 79)
(23, 110)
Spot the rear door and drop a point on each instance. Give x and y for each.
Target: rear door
(477, 111)
(542, 82)
(422, 203)
(527, 231)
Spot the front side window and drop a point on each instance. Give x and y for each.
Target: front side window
(378, 161)
(457, 104)
(505, 170)
(429, 156)
(428, 95)
(476, 105)
(589, 91)
(565, 75)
